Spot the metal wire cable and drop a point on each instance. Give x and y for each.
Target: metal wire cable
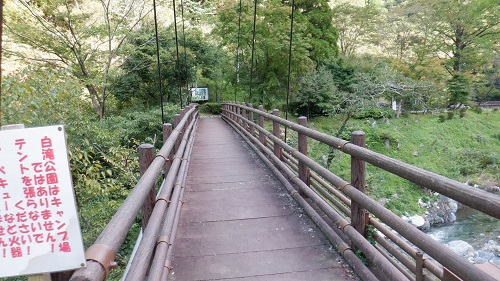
(253, 48)
(158, 61)
(185, 51)
(238, 55)
(289, 65)
(177, 55)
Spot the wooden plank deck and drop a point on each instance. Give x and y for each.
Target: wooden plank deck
(239, 223)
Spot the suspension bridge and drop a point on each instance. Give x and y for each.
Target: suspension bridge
(239, 203)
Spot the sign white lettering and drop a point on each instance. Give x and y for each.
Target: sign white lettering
(199, 94)
(39, 228)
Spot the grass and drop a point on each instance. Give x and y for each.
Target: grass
(465, 149)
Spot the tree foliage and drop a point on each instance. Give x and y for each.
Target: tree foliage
(356, 26)
(314, 40)
(317, 16)
(459, 89)
(40, 96)
(199, 58)
(457, 29)
(85, 35)
(317, 94)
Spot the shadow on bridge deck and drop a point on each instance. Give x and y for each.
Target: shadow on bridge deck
(239, 223)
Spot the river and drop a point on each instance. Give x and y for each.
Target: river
(471, 226)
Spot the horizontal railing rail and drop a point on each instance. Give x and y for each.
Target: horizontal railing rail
(160, 213)
(346, 205)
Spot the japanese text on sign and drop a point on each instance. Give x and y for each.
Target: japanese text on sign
(39, 229)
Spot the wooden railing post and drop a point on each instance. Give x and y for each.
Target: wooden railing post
(304, 173)
(146, 157)
(262, 137)
(358, 173)
(243, 119)
(250, 117)
(183, 112)
(278, 152)
(234, 111)
(167, 131)
(419, 270)
(188, 107)
(238, 112)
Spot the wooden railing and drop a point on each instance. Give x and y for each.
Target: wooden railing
(349, 211)
(160, 212)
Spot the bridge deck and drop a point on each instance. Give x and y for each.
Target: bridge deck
(239, 223)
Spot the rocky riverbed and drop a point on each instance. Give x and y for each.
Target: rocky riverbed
(469, 233)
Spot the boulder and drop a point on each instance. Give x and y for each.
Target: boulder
(492, 247)
(442, 212)
(419, 222)
(462, 248)
(483, 257)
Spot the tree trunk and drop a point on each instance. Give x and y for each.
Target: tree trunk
(399, 108)
(459, 47)
(331, 151)
(94, 97)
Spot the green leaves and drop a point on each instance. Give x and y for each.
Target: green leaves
(39, 96)
(314, 40)
(459, 89)
(318, 94)
(83, 35)
(455, 27)
(138, 82)
(357, 26)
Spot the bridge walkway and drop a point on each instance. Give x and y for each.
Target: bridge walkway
(239, 223)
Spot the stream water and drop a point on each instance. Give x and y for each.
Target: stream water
(471, 226)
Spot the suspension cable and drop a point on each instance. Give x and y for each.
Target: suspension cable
(238, 55)
(158, 62)
(289, 65)
(253, 48)
(177, 55)
(188, 96)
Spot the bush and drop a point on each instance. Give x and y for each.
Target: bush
(120, 130)
(379, 137)
(442, 118)
(375, 113)
(477, 109)
(39, 96)
(211, 108)
(471, 161)
(450, 115)
(462, 112)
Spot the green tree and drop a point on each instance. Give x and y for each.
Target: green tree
(487, 88)
(344, 73)
(403, 40)
(85, 35)
(317, 16)
(317, 95)
(458, 29)
(459, 89)
(356, 26)
(199, 59)
(37, 96)
(314, 40)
